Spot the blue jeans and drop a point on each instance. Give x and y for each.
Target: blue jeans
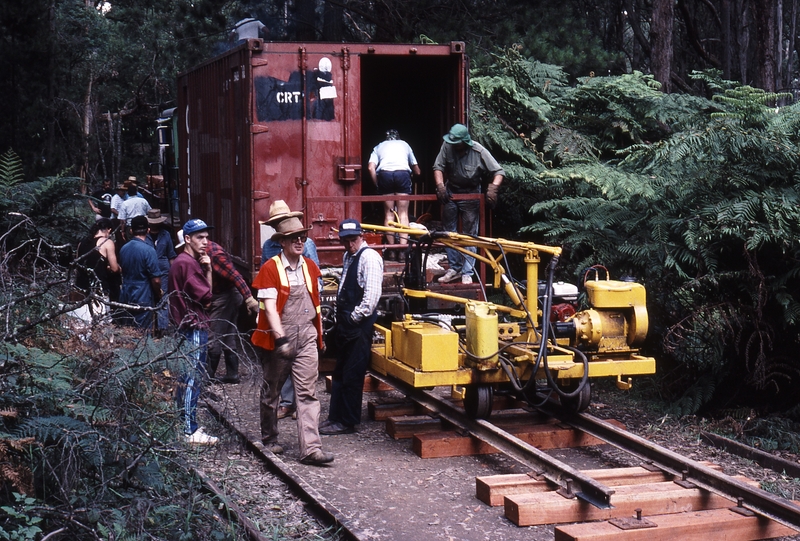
(287, 394)
(470, 219)
(190, 383)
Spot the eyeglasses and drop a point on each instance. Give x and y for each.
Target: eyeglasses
(298, 238)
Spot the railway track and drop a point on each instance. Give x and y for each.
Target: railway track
(598, 494)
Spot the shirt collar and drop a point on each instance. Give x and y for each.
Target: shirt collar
(287, 265)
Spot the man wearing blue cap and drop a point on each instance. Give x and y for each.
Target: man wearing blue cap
(190, 296)
(356, 311)
(464, 165)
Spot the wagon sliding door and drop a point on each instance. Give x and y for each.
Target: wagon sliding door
(306, 136)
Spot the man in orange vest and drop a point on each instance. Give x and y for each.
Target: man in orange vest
(288, 336)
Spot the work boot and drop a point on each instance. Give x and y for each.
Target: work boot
(273, 447)
(284, 411)
(334, 429)
(318, 457)
(450, 276)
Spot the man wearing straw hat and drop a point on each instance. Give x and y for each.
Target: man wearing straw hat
(289, 334)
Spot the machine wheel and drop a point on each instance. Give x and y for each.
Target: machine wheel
(328, 315)
(579, 403)
(478, 401)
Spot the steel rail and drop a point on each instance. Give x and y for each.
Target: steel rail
(757, 500)
(588, 489)
(324, 510)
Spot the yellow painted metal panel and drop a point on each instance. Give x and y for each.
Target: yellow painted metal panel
(482, 332)
(417, 378)
(424, 346)
(615, 294)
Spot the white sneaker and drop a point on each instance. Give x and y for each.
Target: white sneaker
(466, 279)
(450, 276)
(200, 438)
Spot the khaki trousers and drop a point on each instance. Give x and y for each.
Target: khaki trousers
(304, 369)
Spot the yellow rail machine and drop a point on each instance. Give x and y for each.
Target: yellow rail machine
(531, 341)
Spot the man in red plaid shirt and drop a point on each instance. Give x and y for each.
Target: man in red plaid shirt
(230, 289)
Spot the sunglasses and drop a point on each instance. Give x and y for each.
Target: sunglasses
(297, 238)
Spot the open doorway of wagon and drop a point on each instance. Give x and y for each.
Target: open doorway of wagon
(420, 97)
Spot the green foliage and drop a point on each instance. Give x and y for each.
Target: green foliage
(697, 198)
(98, 428)
(695, 397)
(749, 105)
(21, 522)
(10, 176)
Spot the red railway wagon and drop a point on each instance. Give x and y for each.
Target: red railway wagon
(297, 121)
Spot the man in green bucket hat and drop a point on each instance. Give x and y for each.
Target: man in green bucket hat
(462, 166)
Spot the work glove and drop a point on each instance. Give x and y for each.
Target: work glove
(252, 305)
(283, 349)
(491, 195)
(442, 194)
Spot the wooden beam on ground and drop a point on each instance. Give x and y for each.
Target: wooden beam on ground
(449, 444)
(409, 425)
(381, 409)
(492, 489)
(371, 384)
(652, 498)
(545, 436)
(326, 364)
(689, 526)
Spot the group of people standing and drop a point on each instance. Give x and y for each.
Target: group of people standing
(205, 292)
(288, 337)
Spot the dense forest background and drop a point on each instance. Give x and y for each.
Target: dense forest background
(658, 138)
(84, 81)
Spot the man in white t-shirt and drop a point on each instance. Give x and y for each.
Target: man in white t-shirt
(133, 206)
(390, 166)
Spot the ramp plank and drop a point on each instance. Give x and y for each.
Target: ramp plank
(380, 410)
(405, 427)
(689, 526)
(371, 384)
(652, 498)
(493, 488)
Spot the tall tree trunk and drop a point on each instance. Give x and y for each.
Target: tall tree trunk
(779, 44)
(661, 42)
(51, 83)
(764, 17)
(727, 39)
(332, 22)
(306, 20)
(792, 49)
(743, 37)
(87, 129)
(644, 46)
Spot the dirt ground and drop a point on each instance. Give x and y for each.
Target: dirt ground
(386, 492)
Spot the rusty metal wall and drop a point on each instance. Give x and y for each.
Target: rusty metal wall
(214, 149)
(269, 121)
